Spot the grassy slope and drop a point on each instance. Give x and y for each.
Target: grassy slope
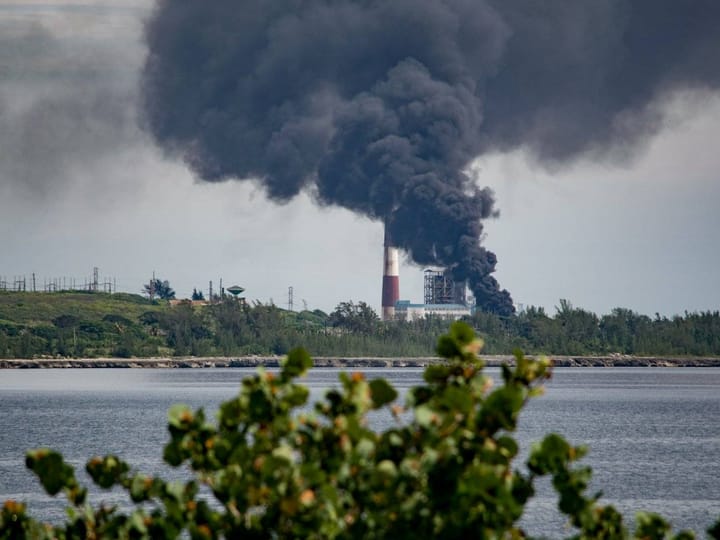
(34, 309)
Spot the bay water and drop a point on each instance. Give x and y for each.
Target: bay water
(653, 433)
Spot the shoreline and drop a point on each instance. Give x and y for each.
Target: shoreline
(341, 362)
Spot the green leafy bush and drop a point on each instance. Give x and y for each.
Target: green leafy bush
(276, 470)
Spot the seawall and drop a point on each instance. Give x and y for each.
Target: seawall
(345, 362)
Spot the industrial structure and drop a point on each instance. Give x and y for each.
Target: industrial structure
(444, 297)
(58, 284)
(236, 291)
(391, 278)
(441, 288)
(407, 311)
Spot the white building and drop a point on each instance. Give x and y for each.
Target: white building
(406, 311)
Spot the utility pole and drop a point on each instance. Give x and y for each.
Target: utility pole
(152, 286)
(290, 298)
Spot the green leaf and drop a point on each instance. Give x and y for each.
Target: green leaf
(387, 469)
(457, 399)
(650, 525)
(283, 453)
(508, 446)
(137, 523)
(382, 392)
(448, 348)
(297, 362)
(437, 373)
(106, 471)
(140, 488)
(297, 396)
(77, 495)
(53, 472)
(551, 455)
(180, 416)
(259, 407)
(365, 448)
(173, 454)
(462, 333)
(425, 416)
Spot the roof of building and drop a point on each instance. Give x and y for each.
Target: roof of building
(405, 304)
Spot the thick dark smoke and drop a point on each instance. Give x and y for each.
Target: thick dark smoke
(380, 106)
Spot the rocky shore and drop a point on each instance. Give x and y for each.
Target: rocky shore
(345, 362)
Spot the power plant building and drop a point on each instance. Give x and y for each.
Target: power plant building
(406, 311)
(444, 297)
(441, 288)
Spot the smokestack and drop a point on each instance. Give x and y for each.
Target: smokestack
(391, 279)
(414, 91)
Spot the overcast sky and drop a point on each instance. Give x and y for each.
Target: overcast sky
(82, 186)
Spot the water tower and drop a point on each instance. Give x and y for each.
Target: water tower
(236, 290)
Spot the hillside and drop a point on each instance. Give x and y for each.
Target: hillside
(34, 309)
(99, 325)
(68, 324)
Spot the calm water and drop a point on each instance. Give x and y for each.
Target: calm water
(654, 433)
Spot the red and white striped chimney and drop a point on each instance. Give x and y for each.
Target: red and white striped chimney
(391, 278)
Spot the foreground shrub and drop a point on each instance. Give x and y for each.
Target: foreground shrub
(278, 471)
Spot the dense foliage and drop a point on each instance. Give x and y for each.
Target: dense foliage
(577, 331)
(97, 325)
(270, 468)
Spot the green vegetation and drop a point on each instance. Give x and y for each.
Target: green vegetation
(75, 324)
(197, 295)
(98, 325)
(577, 331)
(268, 468)
(157, 288)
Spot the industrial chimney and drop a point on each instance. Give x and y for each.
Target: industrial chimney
(391, 279)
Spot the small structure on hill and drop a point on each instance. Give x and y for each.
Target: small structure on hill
(236, 291)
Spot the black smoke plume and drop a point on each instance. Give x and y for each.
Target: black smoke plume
(380, 105)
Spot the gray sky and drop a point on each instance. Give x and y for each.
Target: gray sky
(81, 186)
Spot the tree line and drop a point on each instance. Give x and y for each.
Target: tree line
(223, 328)
(576, 331)
(232, 328)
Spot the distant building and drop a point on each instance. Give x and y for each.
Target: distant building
(444, 298)
(406, 311)
(441, 288)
